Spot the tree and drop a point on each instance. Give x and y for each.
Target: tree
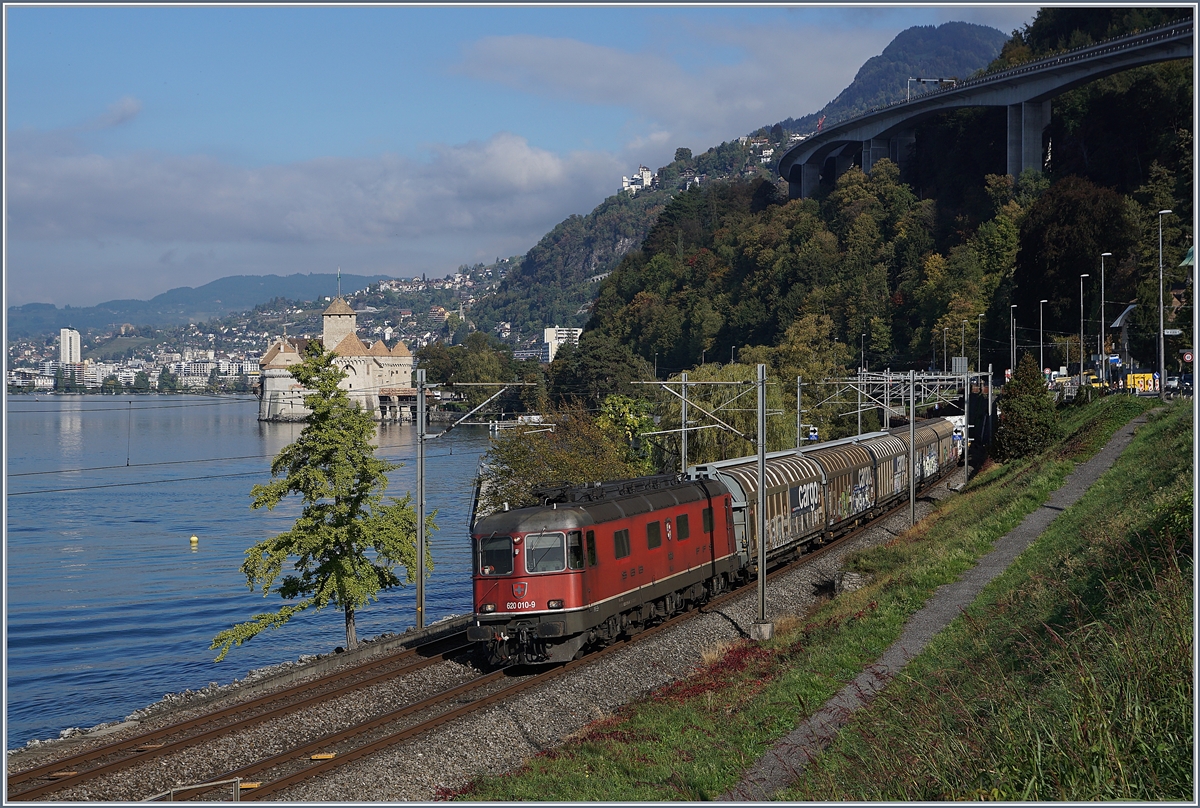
(571, 447)
(347, 541)
(141, 382)
(168, 382)
(111, 385)
(1028, 422)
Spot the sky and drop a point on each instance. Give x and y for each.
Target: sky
(148, 148)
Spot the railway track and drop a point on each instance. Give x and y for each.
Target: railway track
(87, 766)
(313, 758)
(322, 756)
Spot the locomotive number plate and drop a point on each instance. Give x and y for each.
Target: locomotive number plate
(521, 604)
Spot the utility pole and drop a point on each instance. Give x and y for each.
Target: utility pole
(683, 427)
(967, 426)
(912, 451)
(1081, 277)
(1162, 357)
(420, 498)
(762, 630)
(979, 344)
(989, 410)
(799, 422)
(859, 386)
(1103, 326)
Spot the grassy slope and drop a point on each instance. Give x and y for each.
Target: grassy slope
(693, 740)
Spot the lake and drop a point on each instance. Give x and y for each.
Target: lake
(108, 605)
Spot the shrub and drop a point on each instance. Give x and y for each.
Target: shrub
(1027, 421)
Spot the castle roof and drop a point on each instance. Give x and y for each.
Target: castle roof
(351, 346)
(401, 349)
(339, 306)
(284, 353)
(379, 349)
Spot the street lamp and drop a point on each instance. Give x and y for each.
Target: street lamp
(1103, 325)
(1081, 277)
(963, 342)
(945, 362)
(1041, 339)
(1012, 337)
(1162, 357)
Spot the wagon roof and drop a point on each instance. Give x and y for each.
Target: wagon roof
(782, 470)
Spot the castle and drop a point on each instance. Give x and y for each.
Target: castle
(378, 379)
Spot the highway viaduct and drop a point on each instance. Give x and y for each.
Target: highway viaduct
(1025, 91)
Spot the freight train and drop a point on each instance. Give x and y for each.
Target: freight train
(597, 562)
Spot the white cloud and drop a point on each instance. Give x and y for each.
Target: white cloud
(119, 112)
(782, 72)
(495, 184)
(464, 202)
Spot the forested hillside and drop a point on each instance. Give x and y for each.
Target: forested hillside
(873, 265)
(553, 286)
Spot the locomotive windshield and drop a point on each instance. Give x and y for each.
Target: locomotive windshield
(544, 552)
(495, 555)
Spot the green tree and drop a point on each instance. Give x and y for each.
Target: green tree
(141, 382)
(570, 447)
(168, 382)
(111, 385)
(347, 542)
(1028, 422)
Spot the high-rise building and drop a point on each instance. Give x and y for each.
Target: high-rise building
(68, 346)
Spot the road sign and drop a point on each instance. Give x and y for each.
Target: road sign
(1187, 356)
(1172, 332)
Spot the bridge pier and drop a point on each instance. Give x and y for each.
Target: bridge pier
(874, 149)
(1026, 123)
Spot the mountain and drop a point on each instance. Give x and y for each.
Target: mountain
(557, 279)
(182, 305)
(555, 283)
(950, 50)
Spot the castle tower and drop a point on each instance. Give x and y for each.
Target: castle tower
(340, 322)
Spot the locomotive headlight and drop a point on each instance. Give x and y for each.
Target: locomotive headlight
(555, 604)
(487, 608)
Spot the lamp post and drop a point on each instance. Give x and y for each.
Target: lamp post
(1081, 277)
(1103, 326)
(1162, 357)
(963, 342)
(945, 363)
(1041, 338)
(1012, 336)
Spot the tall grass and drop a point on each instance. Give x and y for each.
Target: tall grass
(1069, 679)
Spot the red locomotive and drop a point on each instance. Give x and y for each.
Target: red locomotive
(595, 562)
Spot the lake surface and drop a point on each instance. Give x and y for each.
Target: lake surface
(108, 607)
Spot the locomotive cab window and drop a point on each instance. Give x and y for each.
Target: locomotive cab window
(544, 553)
(682, 531)
(653, 534)
(495, 555)
(591, 548)
(575, 550)
(621, 543)
(707, 519)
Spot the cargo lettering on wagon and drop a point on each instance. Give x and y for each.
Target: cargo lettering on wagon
(805, 497)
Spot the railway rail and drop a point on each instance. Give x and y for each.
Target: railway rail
(68, 772)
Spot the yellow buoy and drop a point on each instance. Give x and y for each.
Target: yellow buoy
(194, 542)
